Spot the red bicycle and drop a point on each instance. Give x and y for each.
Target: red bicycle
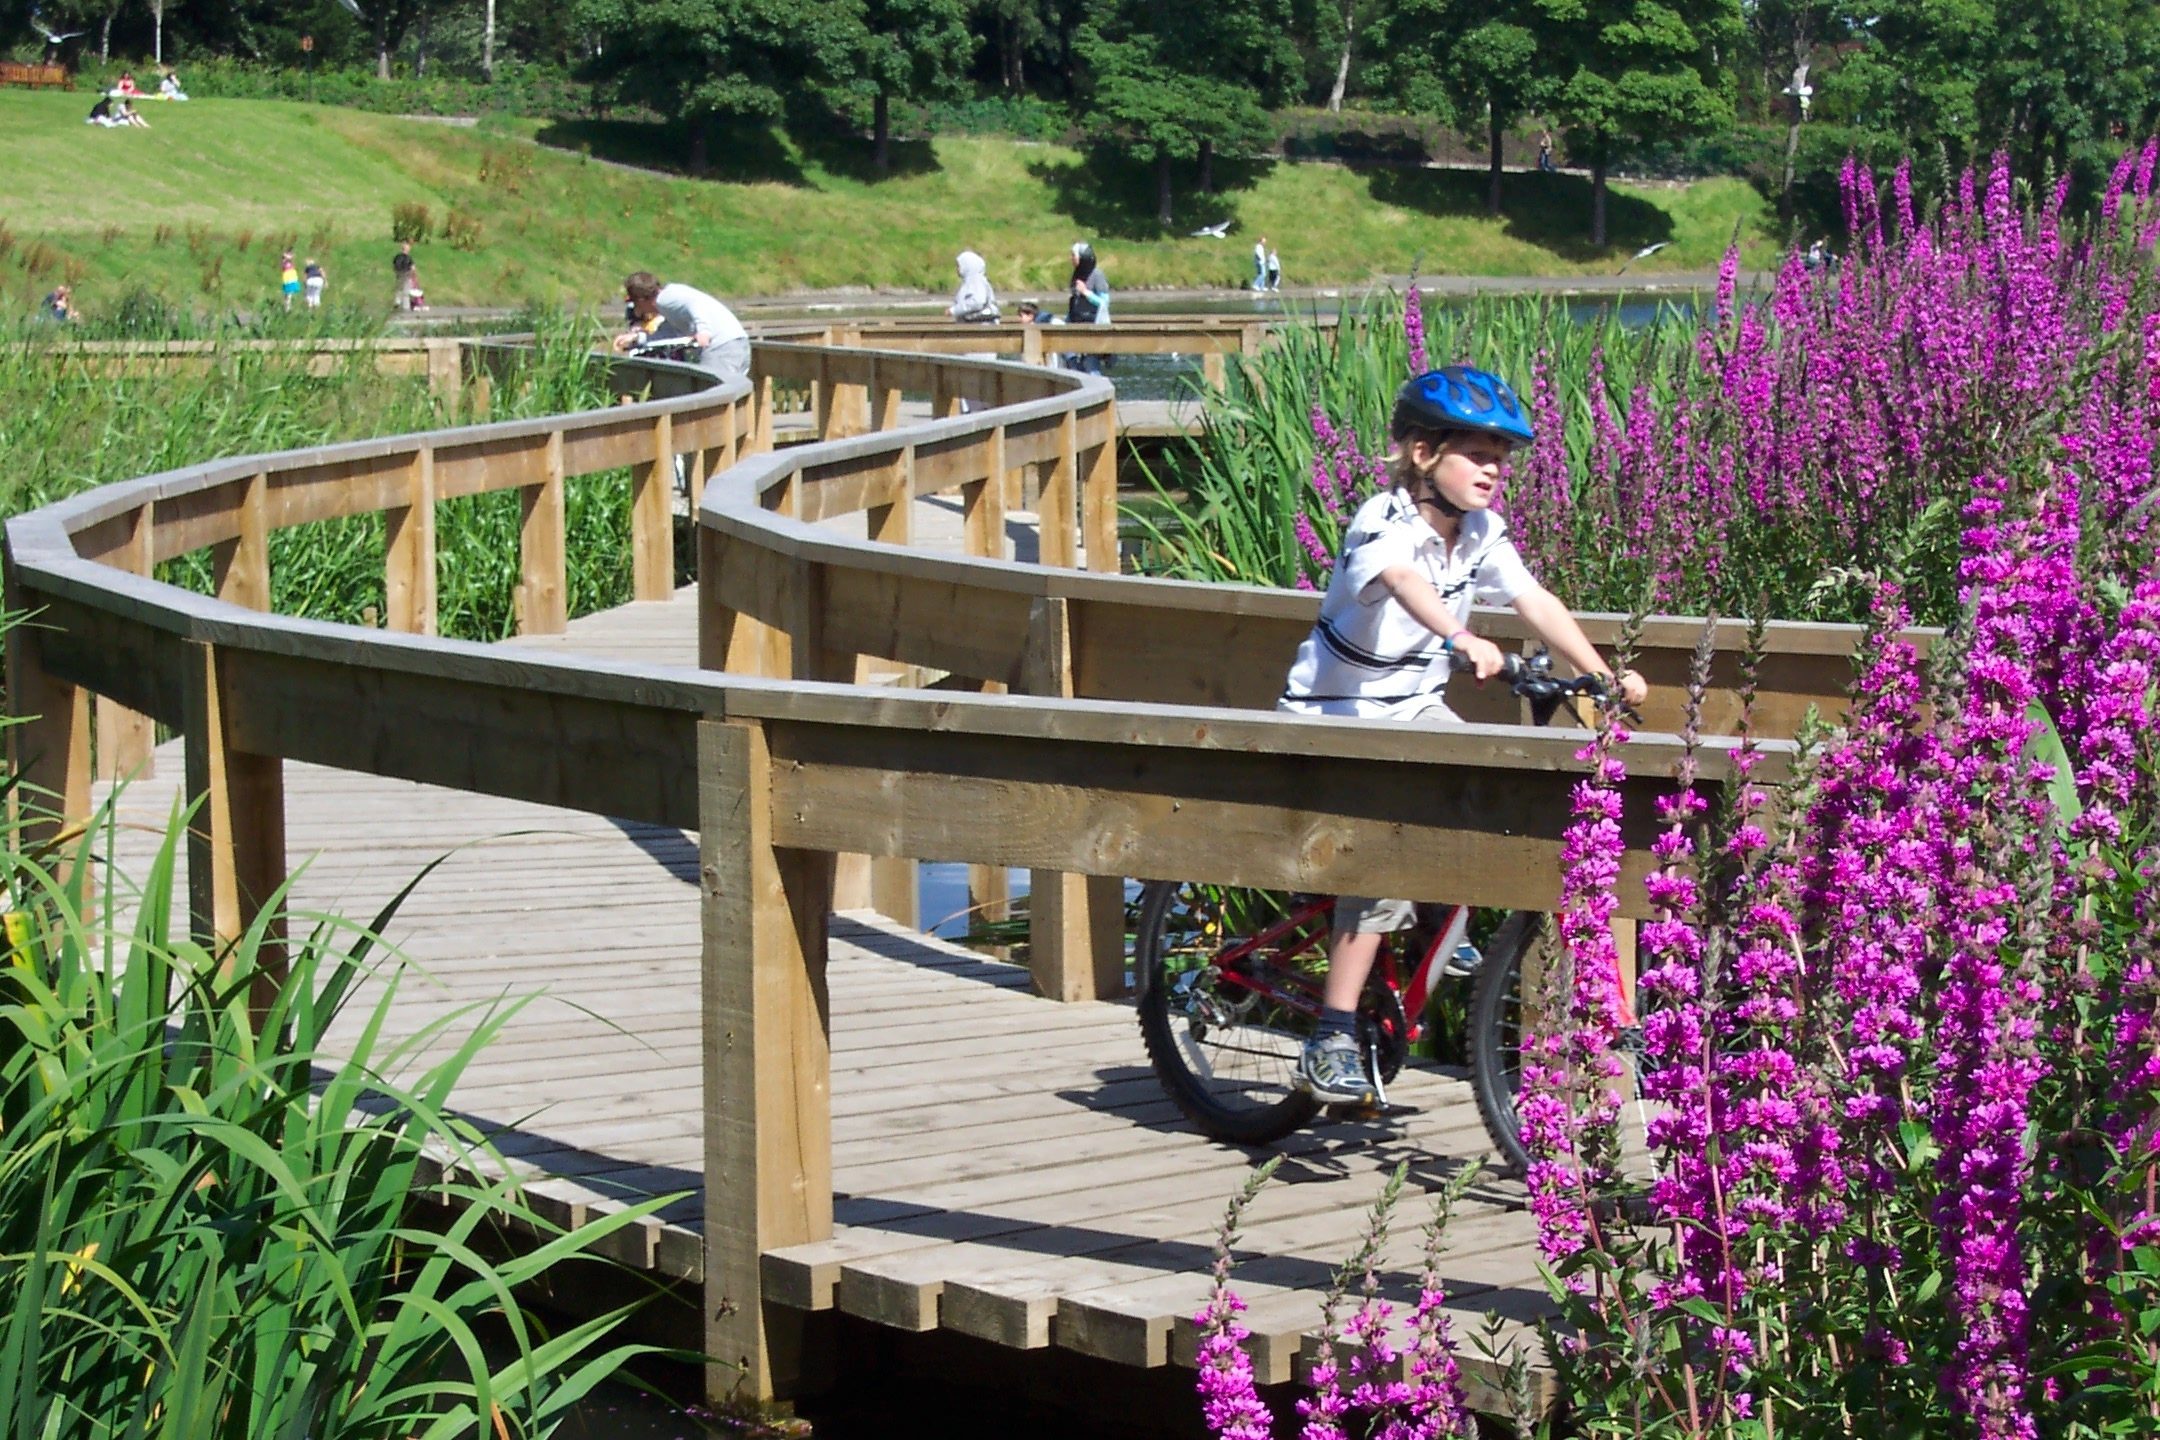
(1230, 982)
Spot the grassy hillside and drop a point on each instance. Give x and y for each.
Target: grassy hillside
(198, 206)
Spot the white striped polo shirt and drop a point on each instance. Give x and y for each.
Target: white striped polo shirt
(1366, 656)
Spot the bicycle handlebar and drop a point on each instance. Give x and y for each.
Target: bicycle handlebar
(1531, 677)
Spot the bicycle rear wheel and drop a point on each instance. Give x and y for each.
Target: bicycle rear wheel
(1496, 1025)
(1226, 1053)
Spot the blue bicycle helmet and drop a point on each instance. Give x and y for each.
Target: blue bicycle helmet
(1460, 397)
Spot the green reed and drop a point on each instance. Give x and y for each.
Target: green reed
(1238, 489)
(205, 1216)
(64, 428)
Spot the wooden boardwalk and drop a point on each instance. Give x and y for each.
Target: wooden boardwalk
(1004, 1166)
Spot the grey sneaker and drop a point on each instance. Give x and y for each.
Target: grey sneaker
(1333, 1069)
(1463, 961)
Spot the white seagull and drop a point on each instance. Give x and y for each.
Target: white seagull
(1643, 254)
(52, 37)
(1214, 232)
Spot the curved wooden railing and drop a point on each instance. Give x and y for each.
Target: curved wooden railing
(1136, 741)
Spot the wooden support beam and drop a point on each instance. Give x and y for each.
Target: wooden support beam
(1214, 370)
(409, 550)
(982, 505)
(1057, 539)
(652, 518)
(1076, 923)
(1098, 498)
(714, 459)
(236, 834)
(48, 748)
(126, 740)
(768, 1063)
(543, 592)
(888, 884)
(240, 566)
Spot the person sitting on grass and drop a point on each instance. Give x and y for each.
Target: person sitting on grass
(1395, 623)
(102, 113)
(59, 306)
(168, 87)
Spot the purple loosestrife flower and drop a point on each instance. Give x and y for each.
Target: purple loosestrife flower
(1570, 1075)
(1413, 324)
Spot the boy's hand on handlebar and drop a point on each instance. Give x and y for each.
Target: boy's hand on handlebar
(1633, 689)
(1485, 658)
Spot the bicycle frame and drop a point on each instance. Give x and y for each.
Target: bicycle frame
(1302, 992)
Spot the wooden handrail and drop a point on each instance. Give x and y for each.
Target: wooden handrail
(1085, 772)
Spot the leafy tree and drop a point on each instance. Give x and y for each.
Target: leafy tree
(1641, 70)
(913, 49)
(718, 62)
(1451, 58)
(1175, 81)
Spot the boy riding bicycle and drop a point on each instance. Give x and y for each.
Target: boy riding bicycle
(1395, 624)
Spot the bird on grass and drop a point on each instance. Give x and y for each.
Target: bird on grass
(1643, 254)
(52, 37)
(1214, 232)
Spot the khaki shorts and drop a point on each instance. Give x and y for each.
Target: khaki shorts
(1363, 915)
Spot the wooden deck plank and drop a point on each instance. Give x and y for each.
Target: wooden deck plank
(1004, 1167)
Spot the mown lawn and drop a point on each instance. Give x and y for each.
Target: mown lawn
(198, 206)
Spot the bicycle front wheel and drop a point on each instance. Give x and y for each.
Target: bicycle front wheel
(1224, 1037)
(1496, 1031)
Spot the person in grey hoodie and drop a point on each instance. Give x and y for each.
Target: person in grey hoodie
(975, 301)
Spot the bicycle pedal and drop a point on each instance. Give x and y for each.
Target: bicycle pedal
(1357, 1110)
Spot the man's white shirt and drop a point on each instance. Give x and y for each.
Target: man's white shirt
(1367, 656)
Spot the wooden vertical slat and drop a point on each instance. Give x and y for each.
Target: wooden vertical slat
(126, 740)
(768, 1062)
(982, 503)
(892, 881)
(409, 547)
(1098, 497)
(822, 399)
(48, 748)
(236, 836)
(1076, 923)
(1055, 513)
(1214, 370)
(1031, 344)
(652, 518)
(543, 593)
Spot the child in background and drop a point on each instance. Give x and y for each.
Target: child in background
(288, 278)
(312, 278)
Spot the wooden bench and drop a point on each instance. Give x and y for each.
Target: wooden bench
(37, 77)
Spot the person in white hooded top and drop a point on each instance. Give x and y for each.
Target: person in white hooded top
(974, 301)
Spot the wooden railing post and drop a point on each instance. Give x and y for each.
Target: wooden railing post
(1057, 542)
(409, 550)
(236, 837)
(1031, 344)
(652, 519)
(543, 592)
(715, 458)
(1098, 496)
(1076, 923)
(884, 401)
(768, 1061)
(893, 884)
(48, 748)
(1214, 370)
(126, 739)
(982, 524)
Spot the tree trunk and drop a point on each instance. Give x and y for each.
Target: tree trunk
(1792, 148)
(1207, 167)
(1162, 187)
(420, 49)
(382, 42)
(1342, 66)
(1597, 198)
(700, 149)
(1010, 65)
(157, 33)
(1492, 126)
(487, 43)
(881, 133)
(105, 36)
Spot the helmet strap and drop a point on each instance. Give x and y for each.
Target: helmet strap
(1426, 491)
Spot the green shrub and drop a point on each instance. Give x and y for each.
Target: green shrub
(203, 1212)
(410, 220)
(462, 229)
